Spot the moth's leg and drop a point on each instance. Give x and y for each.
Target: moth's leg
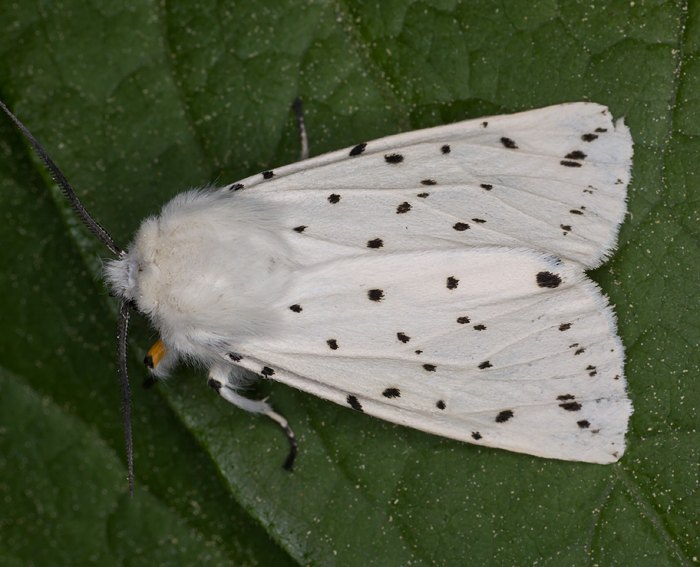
(303, 138)
(218, 381)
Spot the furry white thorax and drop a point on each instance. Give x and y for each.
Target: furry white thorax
(205, 271)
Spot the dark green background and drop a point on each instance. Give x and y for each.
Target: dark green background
(137, 101)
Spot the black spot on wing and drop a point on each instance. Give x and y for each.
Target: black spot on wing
(403, 208)
(358, 149)
(268, 174)
(296, 308)
(234, 356)
(583, 424)
(569, 163)
(564, 397)
(391, 393)
(428, 182)
(484, 365)
(548, 279)
(354, 403)
(375, 243)
(332, 344)
(571, 406)
(452, 282)
(440, 405)
(479, 327)
(589, 137)
(333, 198)
(463, 320)
(393, 158)
(508, 143)
(403, 337)
(375, 294)
(478, 221)
(300, 228)
(601, 130)
(576, 154)
(445, 149)
(504, 416)
(486, 186)
(267, 371)
(423, 195)
(565, 326)
(461, 226)
(476, 435)
(592, 371)
(429, 367)
(236, 187)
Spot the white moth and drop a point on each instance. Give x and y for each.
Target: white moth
(434, 279)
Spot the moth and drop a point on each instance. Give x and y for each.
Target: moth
(434, 279)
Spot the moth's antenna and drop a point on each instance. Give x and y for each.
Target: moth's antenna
(123, 325)
(122, 331)
(66, 188)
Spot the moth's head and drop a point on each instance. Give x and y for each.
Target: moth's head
(133, 273)
(121, 276)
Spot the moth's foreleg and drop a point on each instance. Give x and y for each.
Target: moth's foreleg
(218, 381)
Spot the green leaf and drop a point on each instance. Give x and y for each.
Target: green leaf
(138, 102)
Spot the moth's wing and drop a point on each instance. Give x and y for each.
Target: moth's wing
(399, 305)
(552, 179)
(504, 348)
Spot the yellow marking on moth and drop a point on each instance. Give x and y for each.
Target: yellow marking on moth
(155, 354)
